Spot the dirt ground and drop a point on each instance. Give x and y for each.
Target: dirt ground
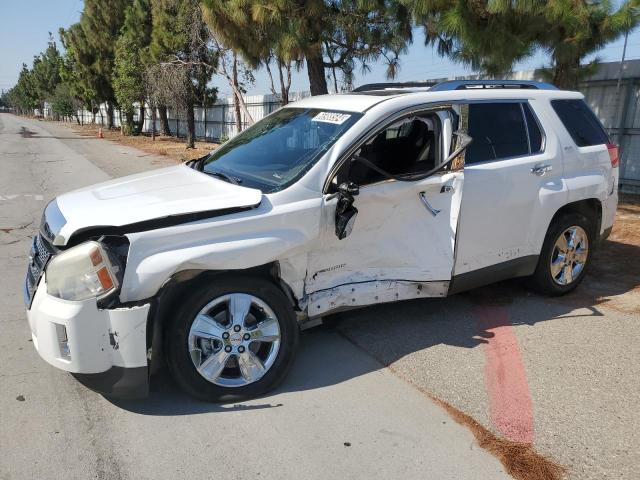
(167, 146)
(614, 277)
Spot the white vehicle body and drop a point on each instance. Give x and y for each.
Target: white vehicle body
(491, 224)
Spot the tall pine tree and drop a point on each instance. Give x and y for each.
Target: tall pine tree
(180, 47)
(93, 43)
(130, 61)
(336, 35)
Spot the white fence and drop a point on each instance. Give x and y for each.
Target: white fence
(212, 123)
(616, 106)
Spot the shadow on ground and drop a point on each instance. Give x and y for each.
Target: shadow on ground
(389, 332)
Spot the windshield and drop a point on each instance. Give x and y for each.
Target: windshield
(279, 149)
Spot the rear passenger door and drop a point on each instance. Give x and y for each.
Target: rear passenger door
(513, 179)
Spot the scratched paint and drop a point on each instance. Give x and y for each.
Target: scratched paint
(505, 376)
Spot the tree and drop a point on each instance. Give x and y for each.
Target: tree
(574, 30)
(284, 68)
(73, 76)
(64, 103)
(93, 41)
(129, 64)
(45, 73)
(23, 96)
(491, 36)
(355, 31)
(237, 74)
(184, 63)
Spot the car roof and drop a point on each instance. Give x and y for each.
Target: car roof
(363, 101)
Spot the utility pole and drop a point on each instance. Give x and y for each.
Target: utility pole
(624, 53)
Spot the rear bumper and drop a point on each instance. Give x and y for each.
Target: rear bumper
(105, 349)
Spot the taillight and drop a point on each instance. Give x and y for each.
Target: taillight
(613, 154)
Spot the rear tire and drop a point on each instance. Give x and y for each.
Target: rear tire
(565, 255)
(246, 356)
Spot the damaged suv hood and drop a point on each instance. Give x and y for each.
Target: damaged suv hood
(163, 197)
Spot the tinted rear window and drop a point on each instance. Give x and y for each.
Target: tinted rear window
(580, 122)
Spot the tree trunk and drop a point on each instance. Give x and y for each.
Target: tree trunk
(566, 74)
(109, 115)
(128, 127)
(315, 70)
(236, 100)
(140, 126)
(284, 86)
(153, 122)
(164, 120)
(191, 126)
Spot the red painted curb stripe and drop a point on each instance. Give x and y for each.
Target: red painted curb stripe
(505, 376)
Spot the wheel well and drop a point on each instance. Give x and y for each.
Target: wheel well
(168, 300)
(590, 208)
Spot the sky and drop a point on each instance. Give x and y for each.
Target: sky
(24, 27)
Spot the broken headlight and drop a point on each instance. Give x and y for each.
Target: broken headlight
(82, 272)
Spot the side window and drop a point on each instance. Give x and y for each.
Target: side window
(580, 122)
(498, 131)
(535, 135)
(410, 145)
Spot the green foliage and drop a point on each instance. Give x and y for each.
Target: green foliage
(130, 57)
(92, 42)
(180, 42)
(492, 35)
(339, 35)
(37, 85)
(23, 95)
(183, 61)
(45, 73)
(63, 102)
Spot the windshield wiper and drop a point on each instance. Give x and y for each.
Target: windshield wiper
(224, 176)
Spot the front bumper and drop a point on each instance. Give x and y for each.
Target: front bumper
(105, 349)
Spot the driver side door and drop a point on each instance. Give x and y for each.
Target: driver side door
(403, 240)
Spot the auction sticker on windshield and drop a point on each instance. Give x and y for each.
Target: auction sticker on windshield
(331, 117)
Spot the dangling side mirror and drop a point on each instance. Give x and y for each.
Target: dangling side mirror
(345, 220)
(346, 213)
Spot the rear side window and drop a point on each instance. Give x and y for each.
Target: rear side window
(535, 135)
(502, 130)
(580, 122)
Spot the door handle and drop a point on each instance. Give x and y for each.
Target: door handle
(432, 211)
(447, 189)
(542, 169)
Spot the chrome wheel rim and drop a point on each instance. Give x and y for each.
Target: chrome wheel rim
(234, 340)
(569, 256)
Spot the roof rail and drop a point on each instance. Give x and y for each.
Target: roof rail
(391, 85)
(488, 84)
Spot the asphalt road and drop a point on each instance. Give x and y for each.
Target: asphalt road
(340, 414)
(560, 373)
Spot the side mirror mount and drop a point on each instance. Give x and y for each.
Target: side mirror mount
(456, 158)
(345, 189)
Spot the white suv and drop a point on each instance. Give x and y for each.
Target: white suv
(334, 202)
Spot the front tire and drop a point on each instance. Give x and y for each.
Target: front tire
(565, 255)
(233, 338)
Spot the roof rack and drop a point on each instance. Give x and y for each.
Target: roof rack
(489, 84)
(392, 85)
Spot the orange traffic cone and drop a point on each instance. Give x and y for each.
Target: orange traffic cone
(100, 134)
